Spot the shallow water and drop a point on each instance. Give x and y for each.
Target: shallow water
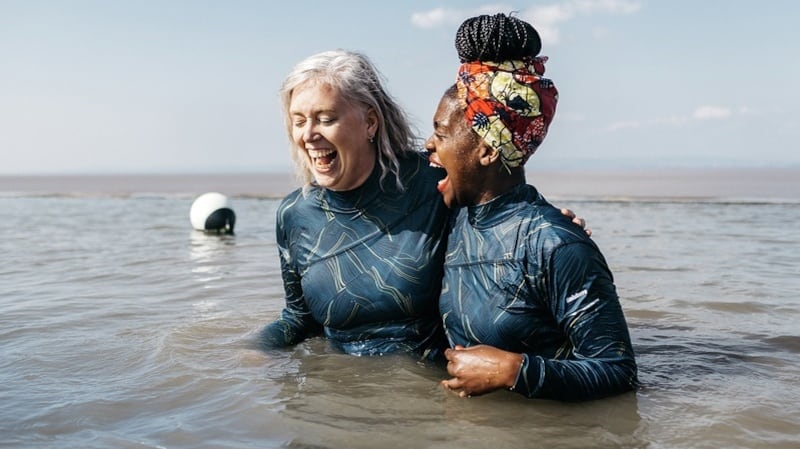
(122, 327)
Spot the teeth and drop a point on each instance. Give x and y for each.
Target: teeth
(435, 165)
(320, 153)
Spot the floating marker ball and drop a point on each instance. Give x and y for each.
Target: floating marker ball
(211, 212)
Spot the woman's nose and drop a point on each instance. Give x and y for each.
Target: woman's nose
(429, 144)
(309, 131)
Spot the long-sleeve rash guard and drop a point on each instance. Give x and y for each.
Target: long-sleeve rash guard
(364, 266)
(521, 277)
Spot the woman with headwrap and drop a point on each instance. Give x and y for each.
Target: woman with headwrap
(528, 301)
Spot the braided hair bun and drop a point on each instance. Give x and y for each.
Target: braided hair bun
(496, 38)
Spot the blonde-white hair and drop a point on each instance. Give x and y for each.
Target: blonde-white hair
(356, 78)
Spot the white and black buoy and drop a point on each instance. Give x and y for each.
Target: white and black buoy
(211, 212)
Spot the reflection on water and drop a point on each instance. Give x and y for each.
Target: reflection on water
(210, 253)
(118, 334)
(334, 400)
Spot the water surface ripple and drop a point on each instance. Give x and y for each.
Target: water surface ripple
(122, 327)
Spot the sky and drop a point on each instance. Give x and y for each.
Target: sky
(180, 86)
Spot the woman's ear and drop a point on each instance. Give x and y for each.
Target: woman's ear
(487, 154)
(372, 122)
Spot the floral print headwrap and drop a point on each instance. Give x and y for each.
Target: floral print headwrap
(509, 104)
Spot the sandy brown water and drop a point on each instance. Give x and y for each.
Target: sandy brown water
(120, 326)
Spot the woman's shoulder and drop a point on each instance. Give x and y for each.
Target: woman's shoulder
(550, 224)
(298, 200)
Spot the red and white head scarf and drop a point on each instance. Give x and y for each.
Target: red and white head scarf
(509, 104)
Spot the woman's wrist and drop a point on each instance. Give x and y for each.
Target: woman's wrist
(515, 362)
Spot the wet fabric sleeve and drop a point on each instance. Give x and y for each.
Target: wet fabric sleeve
(295, 323)
(597, 359)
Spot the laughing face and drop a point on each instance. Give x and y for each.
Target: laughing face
(333, 135)
(453, 146)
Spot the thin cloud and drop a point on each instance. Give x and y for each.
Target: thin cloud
(547, 19)
(440, 17)
(618, 126)
(434, 18)
(675, 120)
(711, 112)
(701, 113)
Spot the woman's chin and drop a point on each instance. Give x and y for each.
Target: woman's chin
(446, 191)
(323, 180)
(324, 176)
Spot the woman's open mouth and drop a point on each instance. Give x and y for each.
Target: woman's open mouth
(444, 182)
(322, 159)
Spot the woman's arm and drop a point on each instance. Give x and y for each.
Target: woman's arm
(295, 323)
(597, 359)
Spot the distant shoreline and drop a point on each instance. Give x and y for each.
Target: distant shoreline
(769, 184)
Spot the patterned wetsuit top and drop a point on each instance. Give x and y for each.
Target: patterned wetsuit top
(364, 266)
(521, 277)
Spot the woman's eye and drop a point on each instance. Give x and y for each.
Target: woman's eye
(326, 120)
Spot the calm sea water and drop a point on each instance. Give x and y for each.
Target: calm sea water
(122, 327)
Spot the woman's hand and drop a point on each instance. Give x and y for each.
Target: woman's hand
(480, 369)
(577, 220)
